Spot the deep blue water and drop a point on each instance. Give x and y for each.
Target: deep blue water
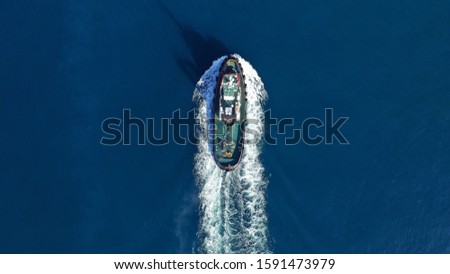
(67, 65)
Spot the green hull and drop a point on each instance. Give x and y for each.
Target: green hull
(229, 115)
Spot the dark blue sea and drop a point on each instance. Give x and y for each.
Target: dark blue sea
(65, 66)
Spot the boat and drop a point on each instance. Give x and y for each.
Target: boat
(229, 115)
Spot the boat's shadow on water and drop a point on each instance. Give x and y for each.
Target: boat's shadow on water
(204, 49)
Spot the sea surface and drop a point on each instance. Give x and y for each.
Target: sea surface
(66, 66)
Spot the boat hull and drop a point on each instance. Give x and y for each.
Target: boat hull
(229, 115)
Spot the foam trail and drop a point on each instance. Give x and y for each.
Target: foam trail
(232, 204)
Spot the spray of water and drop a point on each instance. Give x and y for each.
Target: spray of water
(232, 204)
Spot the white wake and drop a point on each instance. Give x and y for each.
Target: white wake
(232, 204)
